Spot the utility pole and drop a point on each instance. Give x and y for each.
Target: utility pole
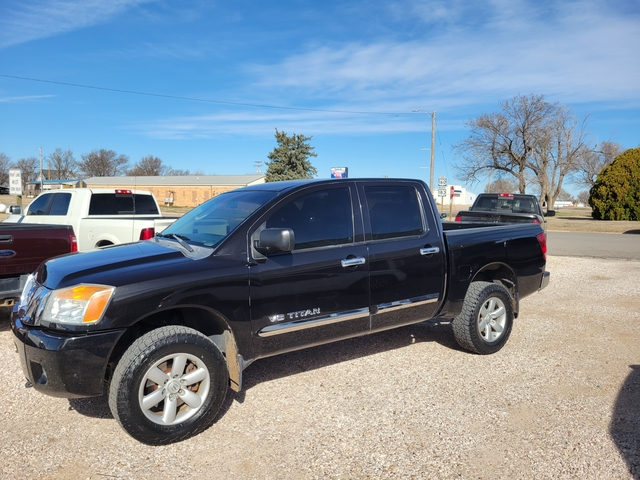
(433, 148)
(41, 180)
(433, 145)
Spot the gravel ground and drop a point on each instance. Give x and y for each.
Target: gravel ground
(561, 400)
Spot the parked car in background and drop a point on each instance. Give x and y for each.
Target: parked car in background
(23, 248)
(99, 216)
(505, 208)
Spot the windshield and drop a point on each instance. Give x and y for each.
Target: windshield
(507, 204)
(209, 223)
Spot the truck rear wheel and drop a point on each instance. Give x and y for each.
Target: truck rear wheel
(484, 325)
(168, 386)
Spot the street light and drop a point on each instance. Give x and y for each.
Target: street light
(433, 144)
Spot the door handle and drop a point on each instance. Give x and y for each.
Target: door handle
(429, 250)
(352, 262)
(6, 238)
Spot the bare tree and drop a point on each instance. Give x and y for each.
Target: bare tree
(591, 163)
(29, 170)
(501, 185)
(537, 142)
(583, 197)
(178, 172)
(103, 163)
(505, 141)
(5, 163)
(62, 165)
(149, 166)
(566, 196)
(557, 153)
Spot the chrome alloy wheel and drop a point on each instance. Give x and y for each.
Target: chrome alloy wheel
(174, 389)
(492, 319)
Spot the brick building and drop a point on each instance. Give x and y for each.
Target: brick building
(179, 191)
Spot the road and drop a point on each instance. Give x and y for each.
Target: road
(596, 245)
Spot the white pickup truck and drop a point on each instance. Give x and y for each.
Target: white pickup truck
(99, 216)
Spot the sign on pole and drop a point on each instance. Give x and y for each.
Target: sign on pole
(340, 172)
(15, 181)
(442, 181)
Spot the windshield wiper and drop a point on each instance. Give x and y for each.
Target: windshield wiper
(179, 238)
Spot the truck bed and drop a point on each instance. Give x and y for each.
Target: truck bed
(472, 244)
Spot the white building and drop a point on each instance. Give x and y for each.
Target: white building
(460, 196)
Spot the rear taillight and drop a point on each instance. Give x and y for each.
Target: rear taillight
(458, 218)
(147, 233)
(542, 240)
(536, 221)
(73, 242)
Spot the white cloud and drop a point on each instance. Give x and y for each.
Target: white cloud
(252, 123)
(575, 52)
(32, 20)
(25, 98)
(578, 51)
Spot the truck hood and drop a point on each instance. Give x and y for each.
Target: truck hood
(120, 264)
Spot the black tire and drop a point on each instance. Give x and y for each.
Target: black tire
(484, 325)
(168, 385)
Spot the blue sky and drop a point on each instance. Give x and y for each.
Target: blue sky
(347, 73)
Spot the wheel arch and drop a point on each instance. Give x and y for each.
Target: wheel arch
(105, 239)
(206, 321)
(103, 243)
(504, 275)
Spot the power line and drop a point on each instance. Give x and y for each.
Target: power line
(194, 99)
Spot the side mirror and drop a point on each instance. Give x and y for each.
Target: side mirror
(443, 215)
(15, 209)
(550, 213)
(273, 240)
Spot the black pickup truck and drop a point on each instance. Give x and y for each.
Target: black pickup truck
(505, 208)
(168, 324)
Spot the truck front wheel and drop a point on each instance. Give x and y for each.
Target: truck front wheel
(484, 325)
(168, 386)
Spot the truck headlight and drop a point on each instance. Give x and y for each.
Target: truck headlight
(79, 305)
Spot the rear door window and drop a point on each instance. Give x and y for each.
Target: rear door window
(60, 204)
(394, 211)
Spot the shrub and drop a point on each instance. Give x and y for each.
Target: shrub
(616, 193)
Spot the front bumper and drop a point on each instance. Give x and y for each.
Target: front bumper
(61, 364)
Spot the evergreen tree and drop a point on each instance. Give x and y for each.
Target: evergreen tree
(616, 193)
(290, 159)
